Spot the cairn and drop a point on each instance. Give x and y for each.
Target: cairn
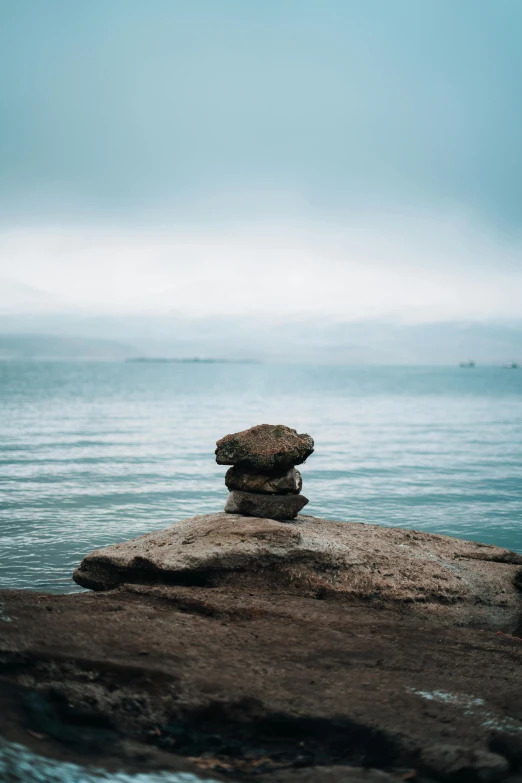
(263, 480)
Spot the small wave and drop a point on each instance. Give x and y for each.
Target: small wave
(19, 763)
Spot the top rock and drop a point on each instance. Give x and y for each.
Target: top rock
(267, 448)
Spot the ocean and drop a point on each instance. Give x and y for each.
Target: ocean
(92, 453)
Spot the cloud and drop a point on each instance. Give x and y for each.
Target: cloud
(413, 267)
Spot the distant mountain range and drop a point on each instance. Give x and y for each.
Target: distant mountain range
(35, 324)
(240, 339)
(19, 298)
(35, 346)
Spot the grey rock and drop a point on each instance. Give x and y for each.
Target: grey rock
(266, 447)
(444, 578)
(289, 483)
(265, 506)
(336, 774)
(508, 745)
(453, 762)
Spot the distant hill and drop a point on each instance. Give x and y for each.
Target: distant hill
(33, 346)
(297, 340)
(19, 298)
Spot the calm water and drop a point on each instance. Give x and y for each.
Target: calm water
(93, 453)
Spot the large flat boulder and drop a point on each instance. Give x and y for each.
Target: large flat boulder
(467, 582)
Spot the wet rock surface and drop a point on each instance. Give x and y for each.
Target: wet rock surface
(288, 483)
(327, 774)
(509, 746)
(454, 762)
(270, 506)
(266, 448)
(251, 649)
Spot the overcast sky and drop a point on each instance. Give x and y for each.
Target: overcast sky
(345, 157)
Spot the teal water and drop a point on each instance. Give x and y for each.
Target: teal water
(20, 765)
(94, 453)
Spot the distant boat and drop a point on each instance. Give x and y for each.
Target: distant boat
(471, 363)
(510, 366)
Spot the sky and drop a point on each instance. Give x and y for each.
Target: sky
(344, 158)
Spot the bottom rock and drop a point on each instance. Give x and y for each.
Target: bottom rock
(265, 506)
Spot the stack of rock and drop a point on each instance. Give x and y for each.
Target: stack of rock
(263, 481)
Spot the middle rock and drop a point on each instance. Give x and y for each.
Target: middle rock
(289, 483)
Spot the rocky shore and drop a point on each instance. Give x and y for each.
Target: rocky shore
(253, 649)
(247, 647)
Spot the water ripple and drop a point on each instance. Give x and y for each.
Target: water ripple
(93, 453)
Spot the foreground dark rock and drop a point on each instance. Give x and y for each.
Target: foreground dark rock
(252, 649)
(288, 483)
(265, 448)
